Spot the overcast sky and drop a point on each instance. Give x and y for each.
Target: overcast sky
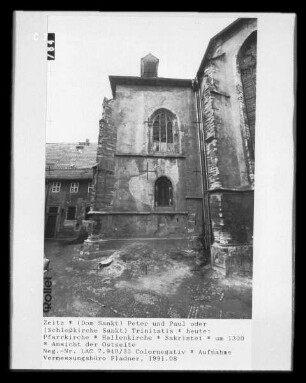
(92, 47)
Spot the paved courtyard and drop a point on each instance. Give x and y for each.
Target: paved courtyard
(154, 279)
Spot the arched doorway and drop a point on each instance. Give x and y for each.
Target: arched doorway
(163, 192)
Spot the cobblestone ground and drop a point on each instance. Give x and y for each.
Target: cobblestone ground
(154, 279)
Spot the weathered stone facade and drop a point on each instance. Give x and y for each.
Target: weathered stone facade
(229, 144)
(129, 165)
(176, 157)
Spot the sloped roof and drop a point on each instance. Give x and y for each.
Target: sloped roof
(70, 160)
(66, 174)
(151, 57)
(223, 32)
(147, 81)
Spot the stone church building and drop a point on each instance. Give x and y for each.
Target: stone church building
(176, 156)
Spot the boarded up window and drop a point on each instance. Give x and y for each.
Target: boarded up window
(247, 65)
(149, 65)
(150, 69)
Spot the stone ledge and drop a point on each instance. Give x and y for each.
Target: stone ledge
(193, 197)
(150, 155)
(232, 259)
(213, 91)
(230, 190)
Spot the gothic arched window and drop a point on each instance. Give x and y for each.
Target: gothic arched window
(163, 192)
(162, 123)
(247, 60)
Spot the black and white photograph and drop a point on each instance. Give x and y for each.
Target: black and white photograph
(153, 176)
(150, 164)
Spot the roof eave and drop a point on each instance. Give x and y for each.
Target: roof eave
(214, 38)
(116, 80)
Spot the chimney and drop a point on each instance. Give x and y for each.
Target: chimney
(149, 66)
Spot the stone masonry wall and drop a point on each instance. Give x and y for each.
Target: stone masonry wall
(224, 114)
(140, 225)
(105, 178)
(129, 167)
(230, 169)
(232, 217)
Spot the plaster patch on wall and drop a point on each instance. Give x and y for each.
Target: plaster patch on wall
(168, 169)
(141, 189)
(122, 194)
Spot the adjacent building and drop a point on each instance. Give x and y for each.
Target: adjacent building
(70, 168)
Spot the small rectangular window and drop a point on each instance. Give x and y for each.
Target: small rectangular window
(71, 213)
(91, 187)
(55, 187)
(74, 187)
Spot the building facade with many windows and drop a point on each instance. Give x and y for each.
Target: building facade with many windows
(69, 188)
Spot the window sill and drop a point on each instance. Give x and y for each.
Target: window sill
(163, 208)
(70, 222)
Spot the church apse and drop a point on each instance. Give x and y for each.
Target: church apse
(151, 190)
